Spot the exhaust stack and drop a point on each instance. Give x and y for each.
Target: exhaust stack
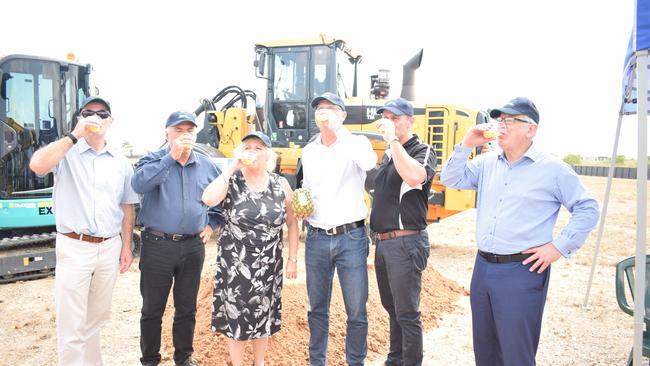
(408, 78)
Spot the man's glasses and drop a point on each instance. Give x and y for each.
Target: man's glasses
(101, 114)
(510, 121)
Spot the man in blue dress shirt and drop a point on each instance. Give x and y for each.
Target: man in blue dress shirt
(177, 225)
(520, 191)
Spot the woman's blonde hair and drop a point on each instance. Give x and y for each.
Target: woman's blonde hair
(272, 156)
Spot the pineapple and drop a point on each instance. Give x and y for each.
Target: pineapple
(302, 203)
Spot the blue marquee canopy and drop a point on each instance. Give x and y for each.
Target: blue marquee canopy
(639, 40)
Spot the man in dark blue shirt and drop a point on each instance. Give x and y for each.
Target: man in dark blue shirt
(177, 225)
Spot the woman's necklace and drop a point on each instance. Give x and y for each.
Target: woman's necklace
(260, 186)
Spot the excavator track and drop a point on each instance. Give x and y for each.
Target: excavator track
(27, 257)
(19, 241)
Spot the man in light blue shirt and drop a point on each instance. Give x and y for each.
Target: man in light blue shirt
(520, 191)
(93, 206)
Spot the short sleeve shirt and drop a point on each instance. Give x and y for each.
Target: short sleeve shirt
(395, 205)
(89, 187)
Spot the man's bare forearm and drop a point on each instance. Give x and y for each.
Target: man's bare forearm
(46, 158)
(127, 225)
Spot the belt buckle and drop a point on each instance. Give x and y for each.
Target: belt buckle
(177, 237)
(331, 231)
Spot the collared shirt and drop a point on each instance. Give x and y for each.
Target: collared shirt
(172, 193)
(335, 176)
(518, 203)
(89, 187)
(396, 205)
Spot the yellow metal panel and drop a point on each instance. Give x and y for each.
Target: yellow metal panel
(232, 125)
(459, 199)
(288, 158)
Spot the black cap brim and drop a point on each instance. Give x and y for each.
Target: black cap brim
(395, 111)
(317, 100)
(496, 113)
(181, 121)
(265, 140)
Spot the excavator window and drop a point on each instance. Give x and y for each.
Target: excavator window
(320, 59)
(31, 109)
(290, 89)
(290, 73)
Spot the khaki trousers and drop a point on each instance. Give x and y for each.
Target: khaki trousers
(85, 277)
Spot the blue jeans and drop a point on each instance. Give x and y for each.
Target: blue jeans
(347, 254)
(507, 308)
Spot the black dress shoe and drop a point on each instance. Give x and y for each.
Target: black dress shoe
(188, 362)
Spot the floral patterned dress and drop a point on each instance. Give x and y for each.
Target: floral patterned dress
(248, 281)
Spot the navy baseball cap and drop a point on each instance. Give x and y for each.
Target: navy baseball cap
(330, 97)
(256, 134)
(95, 99)
(398, 106)
(179, 117)
(517, 106)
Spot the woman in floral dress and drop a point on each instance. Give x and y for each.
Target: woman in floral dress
(248, 281)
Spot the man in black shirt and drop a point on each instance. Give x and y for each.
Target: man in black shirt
(398, 216)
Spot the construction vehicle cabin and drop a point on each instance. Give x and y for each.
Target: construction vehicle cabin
(38, 98)
(296, 71)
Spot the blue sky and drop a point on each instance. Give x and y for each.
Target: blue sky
(149, 60)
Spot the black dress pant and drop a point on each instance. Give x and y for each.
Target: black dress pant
(164, 263)
(399, 263)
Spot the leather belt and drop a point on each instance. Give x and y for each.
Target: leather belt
(85, 237)
(498, 258)
(172, 237)
(396, 234)
(341, 228)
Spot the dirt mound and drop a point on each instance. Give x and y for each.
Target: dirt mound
(290, 346)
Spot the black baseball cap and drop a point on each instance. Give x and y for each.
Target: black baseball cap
(398, 106)
(95, 99)
(179, 117)
(257, 134)
(330, 97)
(519, 105)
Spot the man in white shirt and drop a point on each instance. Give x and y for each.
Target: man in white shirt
(334, 171)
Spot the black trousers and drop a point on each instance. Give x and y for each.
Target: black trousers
(399, 263)
(163, 263)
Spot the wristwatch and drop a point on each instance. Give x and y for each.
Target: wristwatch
(393, 139)
(72, 137)
(294, 260)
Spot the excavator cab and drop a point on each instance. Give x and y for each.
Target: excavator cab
(38, 99)
(297, 71)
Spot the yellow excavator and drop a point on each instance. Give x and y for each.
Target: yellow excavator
(295, 72)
